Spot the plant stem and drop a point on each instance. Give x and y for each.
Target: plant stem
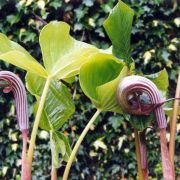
(53, 169)
(53, 173)
(168, 171)
(137, 144)
(25, 173)
(36, 122)
(173, 122)
(78, 143)
(143, 156)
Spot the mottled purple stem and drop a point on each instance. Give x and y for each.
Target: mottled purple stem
(144, 163)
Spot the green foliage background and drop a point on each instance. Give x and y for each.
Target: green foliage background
(108, 149)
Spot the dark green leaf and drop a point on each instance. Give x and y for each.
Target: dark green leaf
(141, 122)
(118, 27)
(116, 121)
(12, 19)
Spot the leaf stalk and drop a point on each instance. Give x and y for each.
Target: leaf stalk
(78, 143)
(138, 153)
(173, 122)
(53, 173)
(36, 122)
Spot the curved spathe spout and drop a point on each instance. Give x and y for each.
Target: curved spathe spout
(13, 83)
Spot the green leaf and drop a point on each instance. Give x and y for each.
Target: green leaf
(59, 145)
(35, 84)
(13, 53)
(160, 79)
(116, 121)
(107, 93)
(58, 105)
(168, 108)
(63, 55)
(140, 122)
(118, 27)
(99, 79)
(12, 19)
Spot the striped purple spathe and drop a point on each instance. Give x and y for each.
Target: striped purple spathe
(15, 85)
(136, 83)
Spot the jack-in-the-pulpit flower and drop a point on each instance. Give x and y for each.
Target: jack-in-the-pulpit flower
(129, 91)
(13, 83)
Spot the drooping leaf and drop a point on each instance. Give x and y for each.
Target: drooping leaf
(58, 105)
(99, 79)
(59, 145)
(63, 55)
(160, 79)
(118, 27)
(15, 54)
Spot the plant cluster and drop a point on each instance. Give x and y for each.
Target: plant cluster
(63, 58)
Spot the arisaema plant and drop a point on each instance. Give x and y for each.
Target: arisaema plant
(130, 96)
(62, 58)
(100, 76)
(101, 71)
(99, 80)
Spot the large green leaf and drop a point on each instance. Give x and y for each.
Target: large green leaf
(99, 79)
(59, 145)
(13, 53)
(58, 105)
(63, 55)
(107, 93)
(118, 27)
